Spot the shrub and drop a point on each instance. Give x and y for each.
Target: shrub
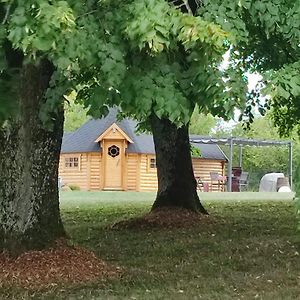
(297, 199)
(195, 152)
(74, 187)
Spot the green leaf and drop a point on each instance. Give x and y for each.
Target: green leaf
(42, 44)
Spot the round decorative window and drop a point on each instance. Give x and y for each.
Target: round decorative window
(113, 151)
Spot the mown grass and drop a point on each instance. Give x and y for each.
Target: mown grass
(251, 251)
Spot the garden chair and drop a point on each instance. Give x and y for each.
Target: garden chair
(217, 180)
(201, 185)
(243, 181)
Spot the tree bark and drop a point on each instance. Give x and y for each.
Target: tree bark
(29, 158)
(177, 186)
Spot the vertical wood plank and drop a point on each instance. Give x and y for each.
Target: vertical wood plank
(138, 173)
(88, 171)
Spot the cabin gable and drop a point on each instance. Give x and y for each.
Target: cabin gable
(114, 132)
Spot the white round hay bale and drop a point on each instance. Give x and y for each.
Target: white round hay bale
(284, 189)
(268, 182)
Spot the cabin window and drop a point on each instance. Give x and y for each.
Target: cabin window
(72, 162)
(152, 163)
(113, 151)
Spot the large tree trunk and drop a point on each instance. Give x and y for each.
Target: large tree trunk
(29, 157)
(176, 182)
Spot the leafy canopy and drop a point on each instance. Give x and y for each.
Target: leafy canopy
(30, 31)
(172, 59)
(160, 61)
(151, 56)
(267, 35)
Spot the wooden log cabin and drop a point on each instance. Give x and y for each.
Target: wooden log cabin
(107, 154)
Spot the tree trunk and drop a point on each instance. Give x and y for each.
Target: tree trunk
(29, 157)
(177, 186)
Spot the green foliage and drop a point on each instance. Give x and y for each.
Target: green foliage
(298, 210)
(54, 101)
(266, 39)
(3, 62)
(260, 160)
(8, 95)
(39, 25)
(166, 62)
(74, 187)
(8, 78)
(296, 175)
(150, 56)
(31, 31)
(195, 152)
(151, 25)
(154, 25)
(259, 24)
(75, 114)
(285, 95)
(201, 124)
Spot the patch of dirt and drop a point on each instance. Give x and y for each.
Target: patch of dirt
(57, 266)
(168, 218)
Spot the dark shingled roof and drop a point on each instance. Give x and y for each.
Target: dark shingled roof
(83, 139)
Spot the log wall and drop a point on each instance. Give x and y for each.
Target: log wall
(87, 175)
(95, 176)
(203, 167)
(132, 172)
(138, 174)
(148, 175)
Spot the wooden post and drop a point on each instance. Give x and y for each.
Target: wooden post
(291, 164)
(103, 161)
(229, 171)
(124, 166)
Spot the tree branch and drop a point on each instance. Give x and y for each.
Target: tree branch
(189, 10)
(187, 6)
(87, 13)
(6, 13)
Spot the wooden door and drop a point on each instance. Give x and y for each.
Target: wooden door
(113, 153)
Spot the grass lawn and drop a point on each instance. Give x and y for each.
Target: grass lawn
(251, 251)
